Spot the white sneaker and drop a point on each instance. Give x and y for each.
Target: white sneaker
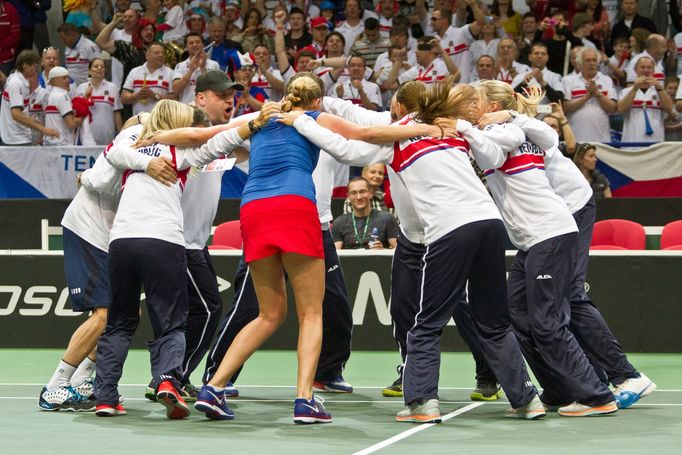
(582, 410)
(630, 391)
(532, 411)
(420, 412)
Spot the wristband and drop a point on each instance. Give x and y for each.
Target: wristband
(253, 128)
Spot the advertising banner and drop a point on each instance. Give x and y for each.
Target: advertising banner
(639, 295)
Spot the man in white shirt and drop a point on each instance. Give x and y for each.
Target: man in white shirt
(540, 76)
(188, 71)
(399, 37)
(433, 65)
(129, 21)
(59, 111)
(456, 41)
(656, 46)
(148, 83)
(16, 123)
(507, 66)
(265, 76)
(356, 88)
(644, 105)
(589, 99)
(78, 52)
(485, 69)
(354, 24)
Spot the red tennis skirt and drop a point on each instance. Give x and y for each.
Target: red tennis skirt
(280, 224)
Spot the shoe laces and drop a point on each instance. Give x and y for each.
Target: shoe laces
(75, 395)
(318, 399)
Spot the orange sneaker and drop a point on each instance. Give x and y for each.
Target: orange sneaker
(167, 395)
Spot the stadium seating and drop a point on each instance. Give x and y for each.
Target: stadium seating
(227, 236)
(624, 234)
(671, 237)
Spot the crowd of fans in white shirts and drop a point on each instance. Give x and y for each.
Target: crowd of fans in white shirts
(599, 61)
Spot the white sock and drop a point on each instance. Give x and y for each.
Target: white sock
(61, 376)
(84, 371)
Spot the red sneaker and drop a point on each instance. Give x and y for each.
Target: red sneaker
(107, 410)
(167, 395)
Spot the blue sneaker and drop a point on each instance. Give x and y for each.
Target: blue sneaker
(64, 399)
(312, 411)
(231, 391)
(630, 391)
(212, 403)
(336, 385)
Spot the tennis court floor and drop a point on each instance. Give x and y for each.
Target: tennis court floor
(363, 421)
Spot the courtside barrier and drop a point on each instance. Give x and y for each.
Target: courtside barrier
(639, 293)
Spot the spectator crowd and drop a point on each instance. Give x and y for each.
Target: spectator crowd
(608, 71)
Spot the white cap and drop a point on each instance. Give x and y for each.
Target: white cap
(58, 71)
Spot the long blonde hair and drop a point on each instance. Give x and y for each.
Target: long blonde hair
(302, 90)
(408, 94)
(507, 98)
(167, 115)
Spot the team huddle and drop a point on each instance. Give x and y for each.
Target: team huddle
(143, 213)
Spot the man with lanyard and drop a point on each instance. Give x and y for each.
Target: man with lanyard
(364, 227)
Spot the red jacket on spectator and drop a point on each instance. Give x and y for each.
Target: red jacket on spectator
(9, 31)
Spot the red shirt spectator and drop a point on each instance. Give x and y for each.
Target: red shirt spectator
(9, 32)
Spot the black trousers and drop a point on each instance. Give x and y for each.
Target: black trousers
(587, 323)
(406, 273)
(539, 288)
(336, 317)
(205, 306)
(161, 267)
(474, 253)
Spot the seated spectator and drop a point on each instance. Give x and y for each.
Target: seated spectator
(557, 120)
(188, 71)
(433, 65)
(10, 32)
(509, 19)
(375, 175)
(485, 69)
(614, 66)
(266, 77)
(355, 230)
(655, 49)
(590, 98)
(585, 158)
(644, 105)
(106, 108)
(673, 121)
(252, 98)
(630, 20)
(173, 27)
(356, 88)
(354, 24)
(16, 124)
(540, 76)
(370, 44)
(148, 83)
(221, 50)
(78, 52)
(456, 41)
(531, 33)
(298, 36)
(254, 32)
(507, 66)
(487, 44)
(59, 114)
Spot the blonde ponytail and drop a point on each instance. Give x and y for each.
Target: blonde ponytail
(507, 98)
(302, 90)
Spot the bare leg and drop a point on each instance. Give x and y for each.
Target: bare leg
(268, 280)
(306, 275)
(84, 339)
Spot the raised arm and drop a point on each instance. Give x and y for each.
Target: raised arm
(104, 40)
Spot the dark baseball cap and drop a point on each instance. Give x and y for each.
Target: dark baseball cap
(216, 81)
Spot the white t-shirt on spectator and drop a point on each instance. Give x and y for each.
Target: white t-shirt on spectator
(433, 73)
(105, 101)
(352, 94)
(480, 47)
(77, 59)
(659, 71)
(505, 76)
(36, 110)
(456, 42)
(16, 94)
(590, 123)
(175, 18)
(159, 81)
(634, 123)
(350, 33)
(182, 68)
(58, 106)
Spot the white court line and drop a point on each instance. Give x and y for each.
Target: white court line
(411, 431)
